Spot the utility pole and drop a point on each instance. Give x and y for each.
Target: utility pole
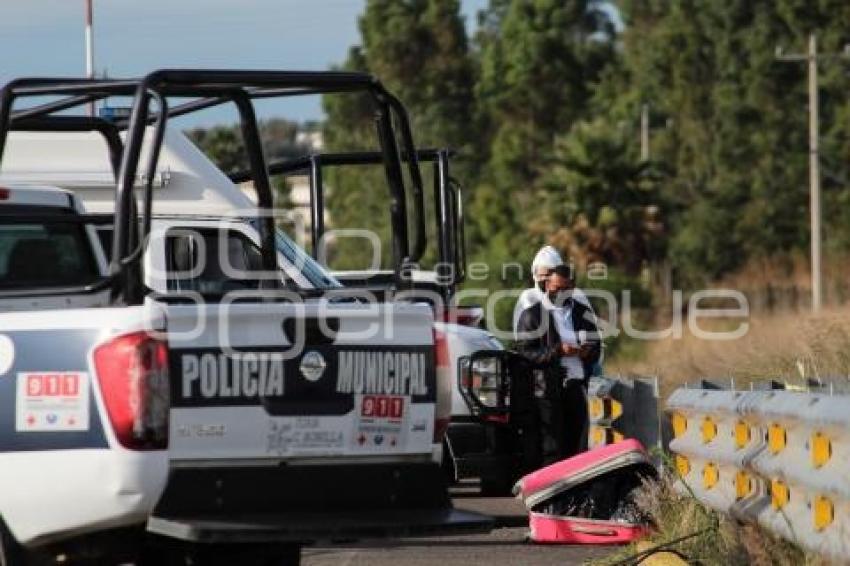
(89, 48)
(811, 58)
(644, 132)
(661, 273)
(814, 176)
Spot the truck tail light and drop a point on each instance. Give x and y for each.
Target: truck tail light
(133, 374)
(444, 386)
(464, 316)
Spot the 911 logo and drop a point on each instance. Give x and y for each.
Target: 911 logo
(53, 385)
(382, 406)
(54, 401)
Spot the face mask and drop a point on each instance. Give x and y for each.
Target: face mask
(560, 298)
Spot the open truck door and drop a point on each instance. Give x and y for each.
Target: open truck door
(500, 440)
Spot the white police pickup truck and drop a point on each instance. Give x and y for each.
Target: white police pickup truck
(83, 386)
(208, 404)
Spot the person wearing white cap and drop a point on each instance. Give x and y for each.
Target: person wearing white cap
(545, 260)
(559, 339)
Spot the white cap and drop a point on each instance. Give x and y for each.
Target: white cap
(547, 256)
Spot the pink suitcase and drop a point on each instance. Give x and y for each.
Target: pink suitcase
(587, 499)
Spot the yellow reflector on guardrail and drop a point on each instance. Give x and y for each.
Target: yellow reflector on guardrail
(709, 430)
(823, 512)
(596, 408)
(742, 434)
(683, 466)
(776, 438)
(679, 423)
(821, 449)
(597, 435)
(710, 476)
(600, 435)
(614, 409)
(743, 484)
(779, 494)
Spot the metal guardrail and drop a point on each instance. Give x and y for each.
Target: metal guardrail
(621, 408)
(778, 458)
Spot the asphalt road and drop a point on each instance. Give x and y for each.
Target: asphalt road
(504, 545)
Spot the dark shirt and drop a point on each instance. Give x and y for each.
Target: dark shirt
(538, 340)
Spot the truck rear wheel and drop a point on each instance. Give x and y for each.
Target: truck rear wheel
(496, 482)
(448, 463)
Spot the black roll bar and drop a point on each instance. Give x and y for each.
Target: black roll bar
(447, 197)
(415, 176)
(265, 198)
(460, 247)
(209, 88)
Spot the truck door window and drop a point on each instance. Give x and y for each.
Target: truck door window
(318, 277)
(195, 262)
(45, 254)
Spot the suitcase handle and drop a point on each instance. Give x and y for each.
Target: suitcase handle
(598, 531)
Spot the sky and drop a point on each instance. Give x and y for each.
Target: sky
(132, 37)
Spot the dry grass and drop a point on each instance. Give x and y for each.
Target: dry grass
(718, 541)
(783, 282)
(788, 346)
(784, 346)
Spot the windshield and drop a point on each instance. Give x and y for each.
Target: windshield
(317, 275)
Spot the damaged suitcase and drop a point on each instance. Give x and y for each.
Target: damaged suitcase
(589, 498)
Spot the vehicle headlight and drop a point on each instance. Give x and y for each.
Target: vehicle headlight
(486, 381)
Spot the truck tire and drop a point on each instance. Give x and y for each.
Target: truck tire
(229, 555)
(179, 554)
(496, 482)
(448, 464)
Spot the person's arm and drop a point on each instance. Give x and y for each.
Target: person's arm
(585, 320)
(530, 339)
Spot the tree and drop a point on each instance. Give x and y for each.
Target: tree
(538, 61)
(603, 204)
(735, 139)
(222, 144)
(419, 50)
(537, 69)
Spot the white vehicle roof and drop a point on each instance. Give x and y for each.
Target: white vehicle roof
(186, 181)
(37, 195)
